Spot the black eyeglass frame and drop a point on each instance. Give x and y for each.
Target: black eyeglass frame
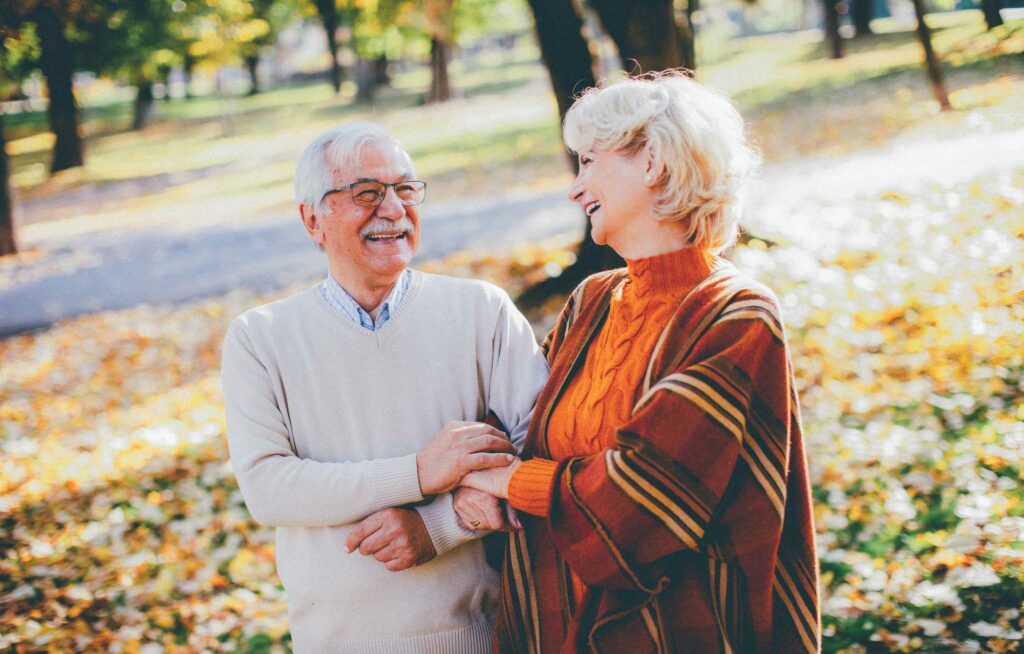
(421, 193)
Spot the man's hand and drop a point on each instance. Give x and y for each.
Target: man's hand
(459, 448)
(494, 481)
(395, 537)
(479, 511)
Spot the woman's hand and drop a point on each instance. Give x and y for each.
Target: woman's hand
(493, 481)
(482, 511)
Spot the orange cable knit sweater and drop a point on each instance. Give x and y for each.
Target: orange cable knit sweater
(602, 395)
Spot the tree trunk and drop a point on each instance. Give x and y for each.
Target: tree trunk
(252, 62)
(931, 61)
(645, 32)
(861, 12)
(688, 31)
(143, 110)
(8, 242)
(832, 28)
(55, 61)
(188, 65)
(991, 10)
(366, 82)
(570, 67)
(329, 17)
(439, 16)
(380, 71)
(564, 50)
(440, 84)
(165, 81)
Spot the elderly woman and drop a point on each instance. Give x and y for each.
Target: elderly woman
(663, 488)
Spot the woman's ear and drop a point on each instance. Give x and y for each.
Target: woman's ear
(652, 169)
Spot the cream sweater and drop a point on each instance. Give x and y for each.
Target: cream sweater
(324, 422)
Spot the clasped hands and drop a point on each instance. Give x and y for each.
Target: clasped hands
(475, 459)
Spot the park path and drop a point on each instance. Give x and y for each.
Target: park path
(807, 202)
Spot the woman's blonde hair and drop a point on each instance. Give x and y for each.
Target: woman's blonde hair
(697, 146)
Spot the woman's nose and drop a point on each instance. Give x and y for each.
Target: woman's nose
(576, 190)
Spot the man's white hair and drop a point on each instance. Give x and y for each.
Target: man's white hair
(337, 150)
(697, 146)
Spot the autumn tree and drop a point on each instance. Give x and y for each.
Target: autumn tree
(194, 37)
(446, 21)
(52, 21)
(409, 23)
(379, 30)
(258, 28)
(134, 41)
(376, 36)
(403, 27)
(366, 33)
(222, 33)
(96, 35)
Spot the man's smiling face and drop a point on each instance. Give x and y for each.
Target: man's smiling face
(369, 247)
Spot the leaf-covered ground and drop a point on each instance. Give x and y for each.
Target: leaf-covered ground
(908, 349)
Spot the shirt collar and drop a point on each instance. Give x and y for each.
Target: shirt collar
(344, 303)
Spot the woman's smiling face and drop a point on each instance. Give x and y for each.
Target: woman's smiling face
(612, 189)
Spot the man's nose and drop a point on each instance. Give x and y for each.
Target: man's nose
(391, 206)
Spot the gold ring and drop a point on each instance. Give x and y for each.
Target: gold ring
(474, 523)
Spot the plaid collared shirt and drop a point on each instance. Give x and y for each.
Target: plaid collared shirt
(339, 298)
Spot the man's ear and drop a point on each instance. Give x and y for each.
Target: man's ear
(312, 223)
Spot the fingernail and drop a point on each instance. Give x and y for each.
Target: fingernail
(509, 458)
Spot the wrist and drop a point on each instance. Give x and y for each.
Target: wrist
(531, 488)
(419, 475)
(511, 470)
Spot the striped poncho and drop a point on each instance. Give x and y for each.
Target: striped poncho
(693, 533)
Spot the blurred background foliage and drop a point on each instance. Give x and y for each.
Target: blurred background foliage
(121, 527)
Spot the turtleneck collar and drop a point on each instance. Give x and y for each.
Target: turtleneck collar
(675, 271)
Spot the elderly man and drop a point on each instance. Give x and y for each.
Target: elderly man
(353, 410)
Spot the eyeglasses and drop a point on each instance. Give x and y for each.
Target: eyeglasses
(371, 194)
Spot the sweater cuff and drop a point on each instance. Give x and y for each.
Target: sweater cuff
(395, 481)
(443, 525)
(529, 489)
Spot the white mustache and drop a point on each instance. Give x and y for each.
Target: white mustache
(384, 226)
